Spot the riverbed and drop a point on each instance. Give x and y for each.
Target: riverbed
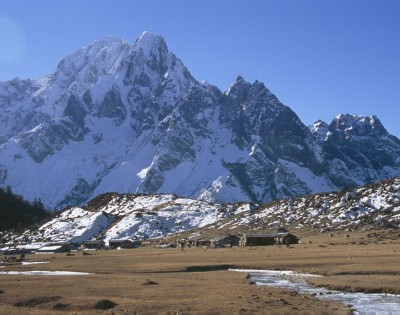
(362, 303)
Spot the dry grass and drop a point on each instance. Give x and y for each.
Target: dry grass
(196, 281)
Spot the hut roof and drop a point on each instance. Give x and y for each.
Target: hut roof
(94, 242)
(50, 248)
(261, 235)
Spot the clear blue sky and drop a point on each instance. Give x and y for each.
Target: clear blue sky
(320, 57)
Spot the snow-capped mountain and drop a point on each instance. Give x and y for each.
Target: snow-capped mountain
(143, 217)
(116, 117)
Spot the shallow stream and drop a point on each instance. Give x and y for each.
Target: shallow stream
(363, 303)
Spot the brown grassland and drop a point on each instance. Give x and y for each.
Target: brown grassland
(196, 281)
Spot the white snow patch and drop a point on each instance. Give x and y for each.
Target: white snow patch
(45, 273)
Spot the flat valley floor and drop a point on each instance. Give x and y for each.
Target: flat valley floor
(148, 280)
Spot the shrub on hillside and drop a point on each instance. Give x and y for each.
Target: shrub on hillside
(104, 305)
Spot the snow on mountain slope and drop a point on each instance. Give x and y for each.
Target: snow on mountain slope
(74, 225)
(369, 207)
(152, 217)
(145, 217)
(114, 216)
(92, 115)
(131, 119)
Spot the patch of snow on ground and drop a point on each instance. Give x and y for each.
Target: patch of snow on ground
(363, 303)
(44, 273)
(34, 262)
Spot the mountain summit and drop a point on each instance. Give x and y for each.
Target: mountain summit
(116, 117)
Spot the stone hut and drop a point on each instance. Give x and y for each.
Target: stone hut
(117, 243)
(95, 244)
(260, 239)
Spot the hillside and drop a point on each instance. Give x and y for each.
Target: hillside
(148, 217)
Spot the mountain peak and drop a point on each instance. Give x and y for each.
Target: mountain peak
(147, 41)
(106, 56)
(87, 64)
(238, 85)
(240, 79)
(319, 128)
(357, 125)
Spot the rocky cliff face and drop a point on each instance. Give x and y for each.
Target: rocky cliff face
(131, 118)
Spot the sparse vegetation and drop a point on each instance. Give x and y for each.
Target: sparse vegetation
(32, 302)
(104, 305)
(60, 306)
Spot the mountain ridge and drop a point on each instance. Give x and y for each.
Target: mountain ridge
(131, 118)
(147, 217)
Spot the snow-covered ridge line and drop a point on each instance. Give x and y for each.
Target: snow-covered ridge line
(144, 217)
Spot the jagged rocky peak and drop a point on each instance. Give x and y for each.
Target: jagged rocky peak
(239, 88)
(320, 129)
(88, 64)
(254, 94)
(109, 55)
(250, 97)
(150, 43)
(151, 64)
(150, 52)
(356, 125)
